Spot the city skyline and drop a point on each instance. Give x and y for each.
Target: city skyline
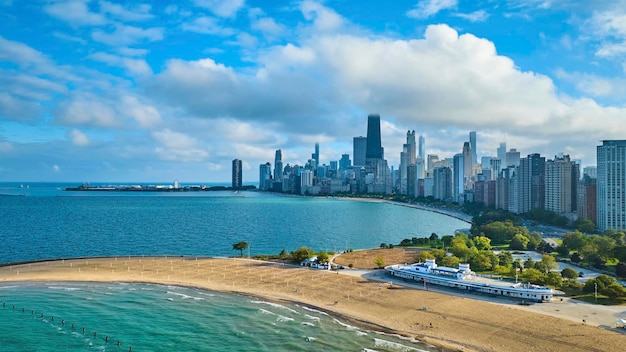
(105, 91)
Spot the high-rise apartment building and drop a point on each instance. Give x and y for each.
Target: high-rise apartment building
(472, 140)
(442, 183)
(430, 162)
(359, 146)
(420, 149)
(265, 176)
(532, 172)
(586, 203)
(237, 173)
(611, 185)
(458, 186)
(278, 166)
(561, 185)
(512, 158)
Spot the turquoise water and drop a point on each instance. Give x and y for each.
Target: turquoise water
(49, 223)
(42, 221)
(168, 318)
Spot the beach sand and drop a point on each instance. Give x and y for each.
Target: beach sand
(453, 322)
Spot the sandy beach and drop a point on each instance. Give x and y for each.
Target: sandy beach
(457, 323)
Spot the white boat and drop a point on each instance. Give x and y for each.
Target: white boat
(466, 280)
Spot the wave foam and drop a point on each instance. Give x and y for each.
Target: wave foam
(184, 296)
(395, 346)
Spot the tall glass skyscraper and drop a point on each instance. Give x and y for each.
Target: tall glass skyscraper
(472, 140)
(237, 173)
(358, 150)
(374, 148)
(611, 185)
(278, 166)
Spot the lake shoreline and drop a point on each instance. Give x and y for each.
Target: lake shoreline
(449, 322)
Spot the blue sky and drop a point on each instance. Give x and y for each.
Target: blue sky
(108, 91)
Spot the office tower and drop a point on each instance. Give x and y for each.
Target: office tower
(419, 166)
(611, 185)
(472, 140)
(501, 151)
(586, 202)
(316, 155)
(467, 165)
(404, 167)
(278, 166)
(359, 145)
(430, 162)
(374, 149)
(265, 175)
(512, 158)
(333, 165)
(532, 171)
(237, 173)
(412, 147)
(442, 182)
(344, 162)
(422, 141)
(590, 171)
(561, 185)
(495, 167)
(459, 179)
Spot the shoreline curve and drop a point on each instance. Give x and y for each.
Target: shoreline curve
(456, 323)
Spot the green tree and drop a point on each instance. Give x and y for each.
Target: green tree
(614, 291)
(379, 262)
(439, 254)
(301, 254)
(447, 240)
(505, 258)
(548, 263)
(553, 279)
(322, 257)
(482, 243)
(240, 246)
(584, 225)
(433, 237)
(423, 255)
(569, 274)
(574, 241)
(529, 263)
(482, 260)
(450, 261)
(605, 246)
(533, 276)
(519, 242)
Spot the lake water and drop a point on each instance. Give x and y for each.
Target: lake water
(42, 221)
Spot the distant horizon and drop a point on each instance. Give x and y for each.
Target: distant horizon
(118, 90)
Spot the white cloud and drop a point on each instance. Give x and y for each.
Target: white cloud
(18, 109)
(268, 27)
(608, 27)
(56, 168)
(178, 146)
(132, 51)
(428, 8)
(78, 138)
(75, 12)
(222, 8)
(476, 16)
(87, 111)
(139, 12)
(133, 66)
(207, 25)
(147, 116)
(127, 35)
(324, 19)
(21, 54)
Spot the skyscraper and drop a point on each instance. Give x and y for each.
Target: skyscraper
(532, 172)
(458, 184)
(610, 186)
(359, 145)
(502, 156)
(344, 163)
(561, 185)
(265, 175)
(237, 173)
(421, 147)
(278, 166)
(374, 149)
(467, 165)
(316, 156)
(512, 158)
(472, 140)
